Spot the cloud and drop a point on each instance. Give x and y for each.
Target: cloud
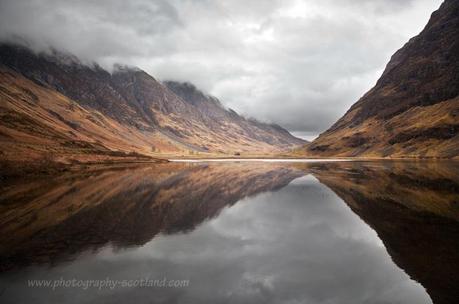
(299, 63)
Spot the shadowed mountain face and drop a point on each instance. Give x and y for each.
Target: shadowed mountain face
(54, 102)
(412, 207)
(413, 109)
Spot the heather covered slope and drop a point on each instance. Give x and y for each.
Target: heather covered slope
(413, 111)
(38, 123)
(54, 103)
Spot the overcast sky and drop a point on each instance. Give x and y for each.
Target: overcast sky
(299, 63)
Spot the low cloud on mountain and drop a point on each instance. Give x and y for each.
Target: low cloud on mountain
(298, 63)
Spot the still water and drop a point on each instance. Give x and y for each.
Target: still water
(229, 232)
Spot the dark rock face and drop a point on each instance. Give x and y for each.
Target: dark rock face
(179, 113)
(415, 96)
(440, 132)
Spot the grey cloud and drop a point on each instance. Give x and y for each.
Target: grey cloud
(93, 30)
(299, 63)
(379, 6)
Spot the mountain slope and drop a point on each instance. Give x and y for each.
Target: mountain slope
(124, 111)
(215, 116)
(38, 123)
(413, 111)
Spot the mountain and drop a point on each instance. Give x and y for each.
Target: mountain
(413, 110)
(52, 104)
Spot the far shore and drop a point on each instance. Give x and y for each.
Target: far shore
(19, 169)
(298, 159)
(260, 160)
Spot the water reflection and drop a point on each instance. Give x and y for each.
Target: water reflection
(48, 221)
(239, 233)
(414, 208)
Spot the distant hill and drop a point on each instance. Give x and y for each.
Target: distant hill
(52, 104)
(413, 111)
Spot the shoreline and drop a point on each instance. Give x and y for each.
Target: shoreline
(298, 160)
(267, 160)
(9, 169)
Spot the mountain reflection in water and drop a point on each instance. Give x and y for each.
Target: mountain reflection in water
(240, 232)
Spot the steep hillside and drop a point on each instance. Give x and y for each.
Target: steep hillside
(413, 111)
(38, 123)
(54, 103)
